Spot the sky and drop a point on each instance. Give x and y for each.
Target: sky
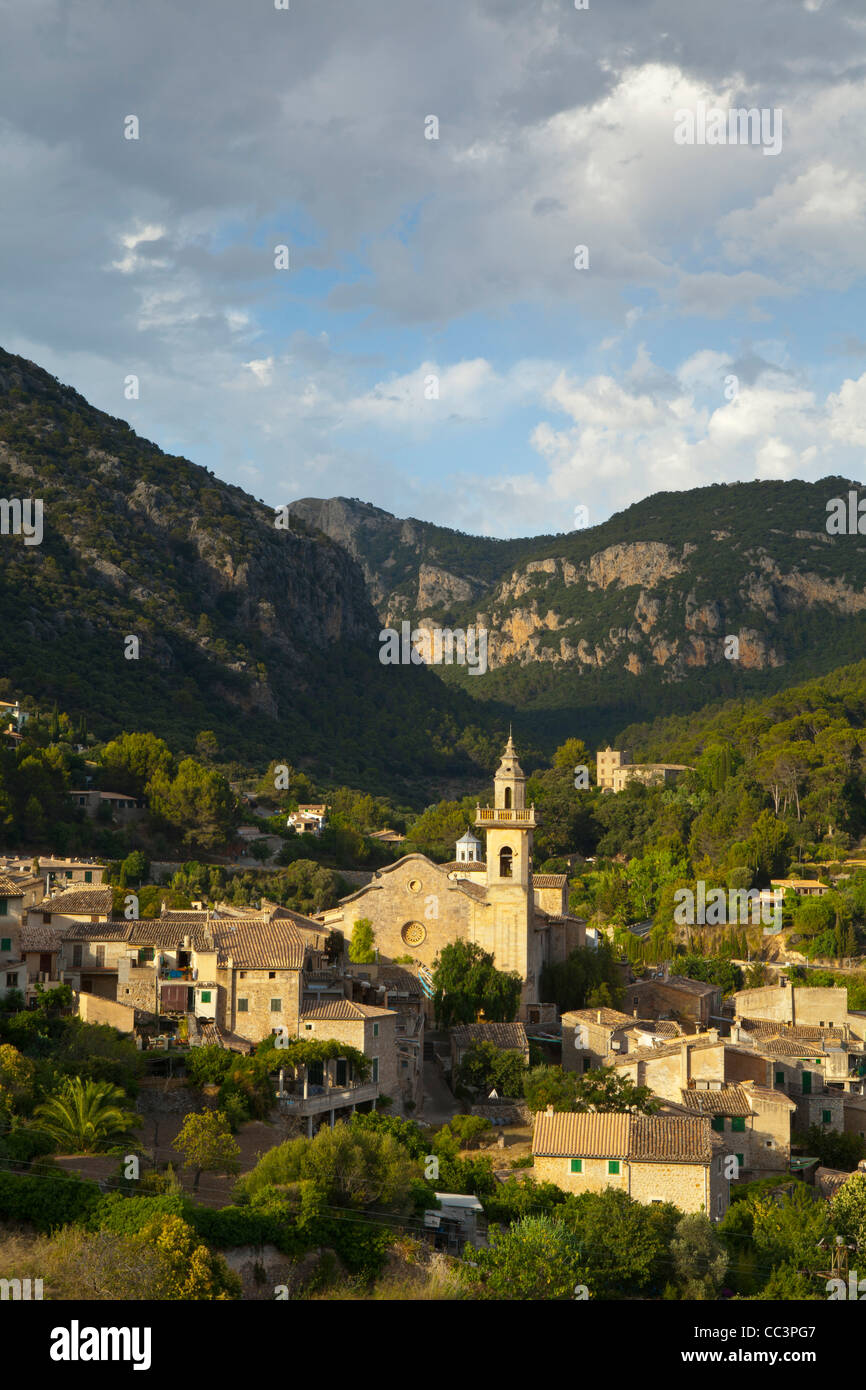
(435, 345)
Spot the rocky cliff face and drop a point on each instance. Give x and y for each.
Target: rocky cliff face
(668, 599)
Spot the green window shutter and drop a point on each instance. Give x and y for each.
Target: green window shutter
(88, 875)
(205, 996)
(276, 1006)
(741, 1161)
(6, 943)
(718, 1123)
(807, 1083)
(825, 1117)
(613, 1165)
(375, 1072)
(375, 1030)
(576, 1165)
(243, 1006)
(738, 1124)
(4, 907)
(780, 1078)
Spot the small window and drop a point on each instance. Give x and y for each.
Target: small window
(375, 1073)
(780, 1078)
(76, 955)
(11, 981)
(276, 1006)
(68, 873)
(718, 1123)
(309, 1027)
(243, 1006)
(272, 974)
(375, 1030)
(738, 1124)
(576, 1165)
(88, 875)
(205, 996)
(741, 1162)
(243, 974)
(825, 1117)
(6, 943)
(100, 956)
(613, 1165)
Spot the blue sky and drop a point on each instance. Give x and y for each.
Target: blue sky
(448, 258)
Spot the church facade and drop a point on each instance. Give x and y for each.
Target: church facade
(416, 906)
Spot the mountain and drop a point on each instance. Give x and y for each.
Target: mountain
(593, 629)
(267, 636)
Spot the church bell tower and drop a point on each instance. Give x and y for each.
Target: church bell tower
(509, 825)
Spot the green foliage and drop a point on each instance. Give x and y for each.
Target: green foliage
(536, 1258)
(86, 1117)
(835, 1149)
(700, 1260)
(625, 1245)
(602, 1088)
(362, 945)
(207, 1145)
(570, 982)
(47, 1202)
(485, 1066)
(467, 983)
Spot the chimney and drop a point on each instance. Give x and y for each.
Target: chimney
(598, 1016)
(549, 1110)
(684, 1063)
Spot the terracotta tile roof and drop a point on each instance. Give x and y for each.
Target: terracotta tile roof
(40, 939)
(285, 914)
(394, 978)
(341, 1010)
(256, 945)
(765, 1094)
(508, 1036)
(475, 866)
(662, 1027)
(167, 934)
(111, 930)
(788, 1047)
(801, 1031)
(670, 1139)
(474, 890)
(730, 1100)
(78, 902)
(10, 887)
(640, 1054)
(549, 880)
(589, 1135)
(610, 1018)
(686, 986)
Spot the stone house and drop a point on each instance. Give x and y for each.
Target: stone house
(700, 1061)
(79, 906)
(589, 1036)
(18, 893)
(652, 1158)
(752, 1122)
(797, 1005)
(674, 996)
(90, 955)
(368, 1029)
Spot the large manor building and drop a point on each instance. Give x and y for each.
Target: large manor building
(416, 906)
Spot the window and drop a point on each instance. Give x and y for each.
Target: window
(825, 1117)
(243, 1006)
(6, 943)
(508, 798)
(11, 980)
(780, 1078)
(276, 1006)
(719, 1205)
(76, 955)
(68, 873)
(375, 1030)
(718, 1123)
(88, 875)
(375, 1073)
(738, 1124)
(309, 1027)
(741, 1162)
(506, 857)
(576, 1165)
(205, 996)
(613, 1165)
(243, 974)
(272, 974)
(100, 955)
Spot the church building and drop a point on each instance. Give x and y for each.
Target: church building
(416, 907)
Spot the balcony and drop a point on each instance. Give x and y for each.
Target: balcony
(323, 1098)
(505, 815)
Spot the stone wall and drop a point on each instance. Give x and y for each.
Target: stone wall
(258, 1020)
(93, 1009)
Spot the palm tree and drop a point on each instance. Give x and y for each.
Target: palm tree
(87, 1117)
